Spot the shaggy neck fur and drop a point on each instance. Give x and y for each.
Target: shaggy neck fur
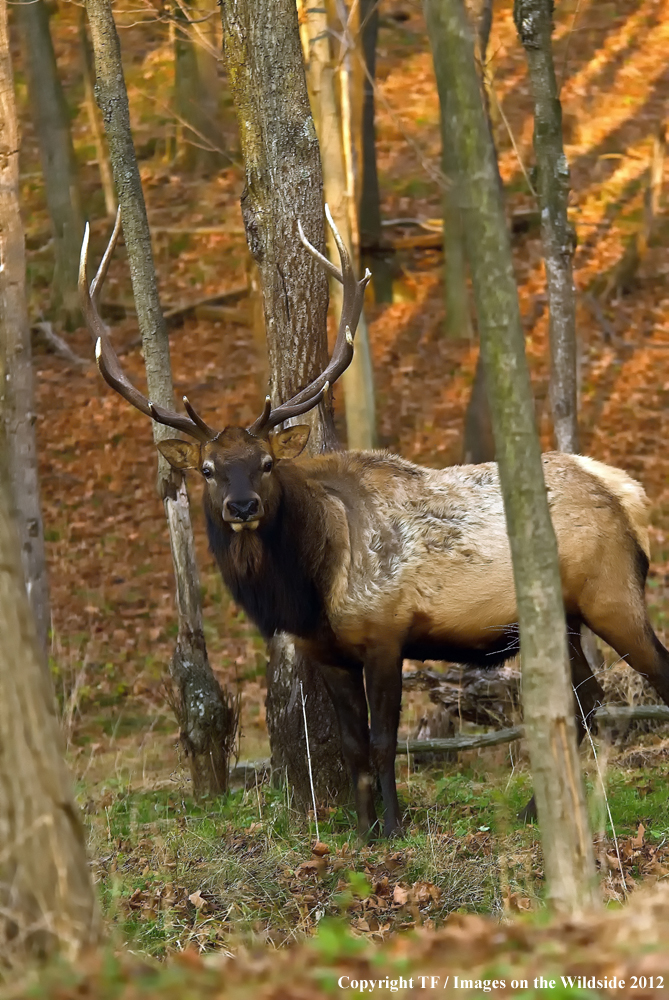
(273, 573)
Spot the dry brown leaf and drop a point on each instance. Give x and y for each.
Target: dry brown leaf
(425, 892)
(320, 849)
(400, 895)
(307, 867)
(197, 899)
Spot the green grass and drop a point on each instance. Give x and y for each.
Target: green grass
(246, 863)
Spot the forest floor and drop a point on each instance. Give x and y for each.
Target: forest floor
(217, 876)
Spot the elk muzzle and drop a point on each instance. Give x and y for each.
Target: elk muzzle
(244, 513)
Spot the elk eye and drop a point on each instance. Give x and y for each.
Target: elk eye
(207, 471)
(267, 464)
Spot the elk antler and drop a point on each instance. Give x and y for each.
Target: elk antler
(342, 355)
(105, 355)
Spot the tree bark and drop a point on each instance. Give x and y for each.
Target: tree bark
(52, 127)
(17, 398)
(195, 89)
(534, 24)
(359, 378)
(457, 303)
(88, 73)
(457, 321)
(47, 900)
(206, 716)
(479, 442)
(284, 184)
(369, 200)
(547, 696)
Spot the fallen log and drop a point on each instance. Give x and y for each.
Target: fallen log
(606, 714)
(247, 770)
(463, 742)
(484, 697)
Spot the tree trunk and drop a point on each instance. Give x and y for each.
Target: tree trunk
(359, 378)
(47, 900)
(369, 201)
(17, 396)
(457, 321)
(88, 73)
(52, 128)
(534, 23)
(479, 442)
(206, 716)
(547, 696)
(284, 184)
(196, 89)
(457, 304)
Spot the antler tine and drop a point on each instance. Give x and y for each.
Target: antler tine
(105, 355)
(197, 419)
(342, 355)
(331, 268)
(260, 423)
(98, 280)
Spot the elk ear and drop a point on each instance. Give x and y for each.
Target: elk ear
(291, 441)
(180, 454)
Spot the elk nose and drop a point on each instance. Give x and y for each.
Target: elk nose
(244, 510)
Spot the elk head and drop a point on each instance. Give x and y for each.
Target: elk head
(236, 463)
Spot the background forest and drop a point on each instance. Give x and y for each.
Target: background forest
(219, 885)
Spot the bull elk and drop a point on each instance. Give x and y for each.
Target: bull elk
(365, 558)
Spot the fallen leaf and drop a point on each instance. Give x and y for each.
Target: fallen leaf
(638, 840)
(307, 867)
(425, 892)
(400, 895)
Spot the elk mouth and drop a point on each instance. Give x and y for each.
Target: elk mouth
(244, 525)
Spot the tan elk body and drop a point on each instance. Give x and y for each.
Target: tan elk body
(365, 558)
(424, 556)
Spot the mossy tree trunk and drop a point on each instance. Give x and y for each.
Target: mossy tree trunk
(17, 397)
(534, 22)
(457, 322)
(206, 716)
(547, 696)
(52, 128)
(284, 184)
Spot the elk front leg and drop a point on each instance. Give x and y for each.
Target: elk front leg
(383, 680)
(347, 690)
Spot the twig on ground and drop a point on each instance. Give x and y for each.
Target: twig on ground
(56, 345)
(311, 776)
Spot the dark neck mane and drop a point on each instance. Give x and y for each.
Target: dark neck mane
(273, 572)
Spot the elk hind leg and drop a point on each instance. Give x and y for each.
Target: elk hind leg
(616, 611)
(383, 680)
